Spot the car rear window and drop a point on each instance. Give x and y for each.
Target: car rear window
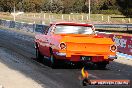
(68, 29)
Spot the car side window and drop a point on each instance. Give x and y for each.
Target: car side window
(51, 30)
(46, 30)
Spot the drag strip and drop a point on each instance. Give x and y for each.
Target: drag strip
(20, 52)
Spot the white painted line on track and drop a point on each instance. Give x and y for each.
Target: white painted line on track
(91, 75)
(124, 55)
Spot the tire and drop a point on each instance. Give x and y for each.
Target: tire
(101, 65)
(39, 56)
(53, 61)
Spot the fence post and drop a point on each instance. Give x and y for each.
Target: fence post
(14, 17)
(82, 17)
(123, 20)
(127, 27)
(62, 17)
(34, 27)
(77, 17)
(39, 16)
(87, 18)
(52, 17)
(73, 17)
(43, 22)
(69, 17)
(108, 18)
(129, 20)
(34, 16)
(44, 16)
(102, 18)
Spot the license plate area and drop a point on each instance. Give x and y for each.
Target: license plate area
(85, 58)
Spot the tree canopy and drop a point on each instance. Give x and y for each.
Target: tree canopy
(68, 6)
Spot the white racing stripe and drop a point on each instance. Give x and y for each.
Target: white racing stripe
(93, 76)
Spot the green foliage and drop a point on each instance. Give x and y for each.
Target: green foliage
(125, 7)
(69, 6)
(109, 12)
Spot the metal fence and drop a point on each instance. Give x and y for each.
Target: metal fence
(28, 27)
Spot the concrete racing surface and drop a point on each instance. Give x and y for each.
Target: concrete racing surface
(18, 69)
(10, 78)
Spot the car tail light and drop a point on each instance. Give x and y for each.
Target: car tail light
(63, 46)
(113, 48)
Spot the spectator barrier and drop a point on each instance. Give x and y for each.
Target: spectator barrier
(123, 42)
(28, 27)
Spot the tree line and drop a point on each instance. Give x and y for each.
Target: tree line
(68, 6)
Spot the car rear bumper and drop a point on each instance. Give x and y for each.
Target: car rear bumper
(85, 57)
(61, 54)
(112, 57)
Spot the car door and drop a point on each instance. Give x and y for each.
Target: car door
(48, 40)
(43, 41)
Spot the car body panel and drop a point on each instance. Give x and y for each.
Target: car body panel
(77, 45)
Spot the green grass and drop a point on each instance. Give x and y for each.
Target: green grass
(77, 17)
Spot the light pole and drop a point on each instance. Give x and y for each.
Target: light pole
(89, 9)
(14, 13)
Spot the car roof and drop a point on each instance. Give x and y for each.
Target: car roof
(71, 23)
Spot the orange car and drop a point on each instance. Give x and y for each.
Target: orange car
(74, 42)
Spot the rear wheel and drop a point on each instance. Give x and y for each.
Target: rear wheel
(39, 56)
(53, 61)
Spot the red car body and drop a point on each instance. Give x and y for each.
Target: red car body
(74, 42)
